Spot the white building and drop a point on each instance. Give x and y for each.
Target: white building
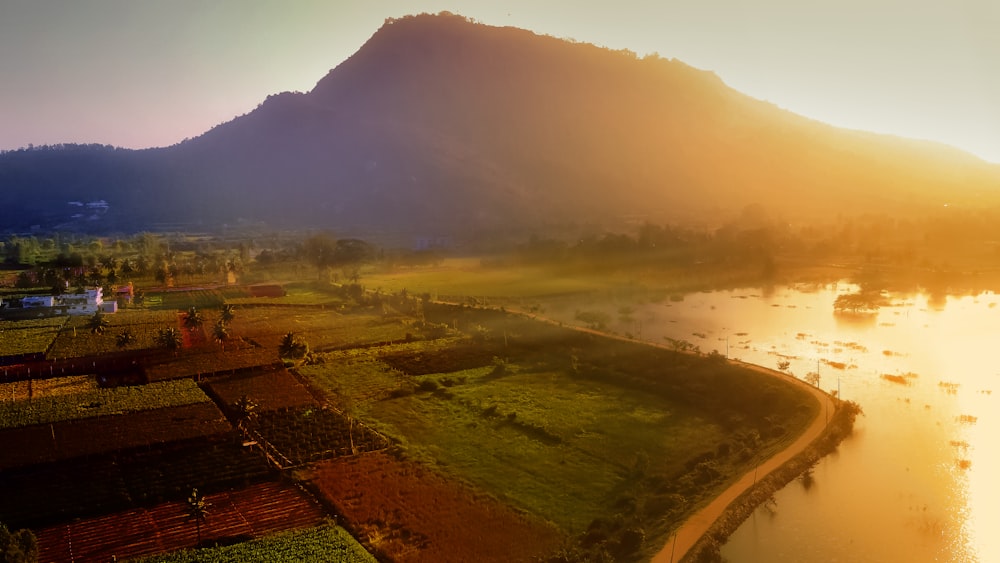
(87, 303)
(34, 301)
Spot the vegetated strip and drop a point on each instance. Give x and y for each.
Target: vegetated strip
(100, 402)
(234, 516)
(840, 427)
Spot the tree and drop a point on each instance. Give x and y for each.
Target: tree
(193, 318)
(320, 250)
(97, 323)
(813, 378)
(221, 333)
(292, 347)
(169, 338)
(227, 313)
(783, 365)
(125, 338)
(246, 410)
(19, 546)
(197, 509)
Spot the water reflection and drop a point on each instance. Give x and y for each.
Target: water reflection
(914, 482)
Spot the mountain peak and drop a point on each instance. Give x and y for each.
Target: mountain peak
(438, 124)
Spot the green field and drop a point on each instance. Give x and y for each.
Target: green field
(98, 402)
(586, 432)
(323, 543)
(29, 336)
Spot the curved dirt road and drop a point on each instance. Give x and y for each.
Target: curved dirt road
(696, 526)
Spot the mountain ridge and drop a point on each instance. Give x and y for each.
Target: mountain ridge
(441, 125)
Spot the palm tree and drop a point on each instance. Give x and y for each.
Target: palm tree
(221, 333)
(292, 347)
(97, 323)
(227, 313)
(246, 410)
(197, 509)
(193, 319)
(169, 338)
(124, 338)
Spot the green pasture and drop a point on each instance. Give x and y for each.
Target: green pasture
(550, 445)
(469, 277)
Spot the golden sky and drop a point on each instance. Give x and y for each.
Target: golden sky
(141, 73)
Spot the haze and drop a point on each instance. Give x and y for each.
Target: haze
(141, 74)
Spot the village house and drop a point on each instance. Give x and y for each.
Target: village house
(86, 303)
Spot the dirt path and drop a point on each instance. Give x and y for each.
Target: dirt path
(696, 526)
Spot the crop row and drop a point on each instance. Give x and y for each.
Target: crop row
(75, 339)
(410, 513)
(29, 336)
(303, 435)
(322, 543)
(269, 389)
(68, 439)
(237, 515)
(200, 298)
(99, 484)
(98, 402)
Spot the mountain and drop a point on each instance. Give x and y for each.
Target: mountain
(441, 126)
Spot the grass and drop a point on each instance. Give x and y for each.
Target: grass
(553, 446)
(469, 277)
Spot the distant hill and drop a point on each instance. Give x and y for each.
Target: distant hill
(441, 126)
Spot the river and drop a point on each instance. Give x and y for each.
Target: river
(914, 483)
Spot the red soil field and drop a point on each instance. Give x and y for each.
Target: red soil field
(251, 512)
(270, 389)
(74, 438)
(411, 514)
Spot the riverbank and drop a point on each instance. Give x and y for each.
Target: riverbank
(700, 538)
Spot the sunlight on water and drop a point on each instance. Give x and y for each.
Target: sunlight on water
(915, 482)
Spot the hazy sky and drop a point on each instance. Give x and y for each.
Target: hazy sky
(139, 73)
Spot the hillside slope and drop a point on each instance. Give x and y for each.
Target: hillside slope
(441, 126)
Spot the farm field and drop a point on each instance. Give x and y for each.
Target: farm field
(95, 435)
(45, 408)
(29, 336)
(236, 515)
(269, 389)
(75, 340)
(437, 432)
(409, 513)
(321, 328)
(46, 493)
(469, 277)
(322, 543)
(603, 438)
